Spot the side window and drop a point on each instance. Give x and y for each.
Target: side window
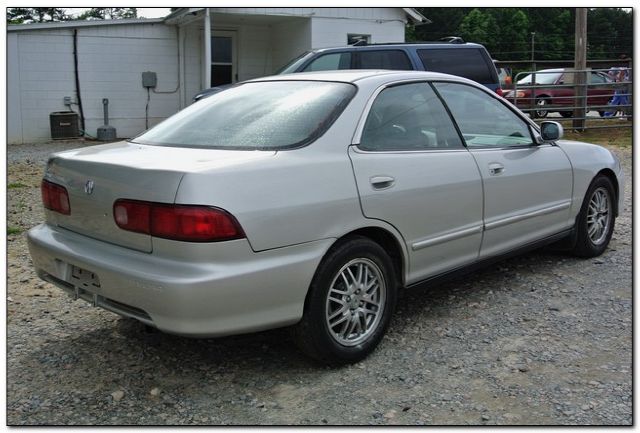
(463, 62)
(483, 120)
(596, 78)
(409, 117)
(330, 62)
(384, 59)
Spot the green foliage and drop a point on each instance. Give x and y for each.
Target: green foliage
(108, 14)
(35, 15)
(13, 230)
(506, 32)
(480, 27)
(41, 15)
(14, 185)
(445, 23)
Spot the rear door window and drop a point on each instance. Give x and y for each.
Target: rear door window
(383, 59)
(463, 62)
(409, 117)
(330, 62)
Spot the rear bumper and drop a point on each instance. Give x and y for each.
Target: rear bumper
(240, 291)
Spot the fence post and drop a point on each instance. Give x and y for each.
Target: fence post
(580, 80)
(532, 98)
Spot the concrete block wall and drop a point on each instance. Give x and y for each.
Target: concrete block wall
(290, 39)
(254, 48)
(111, 60)
(382, 24)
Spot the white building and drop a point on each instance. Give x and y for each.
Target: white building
(186, 50)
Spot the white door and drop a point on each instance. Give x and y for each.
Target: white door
(223, 58)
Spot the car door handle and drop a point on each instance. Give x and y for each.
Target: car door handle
(382, 182)
(496, 169)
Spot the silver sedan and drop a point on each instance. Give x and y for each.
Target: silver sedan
(310, 200)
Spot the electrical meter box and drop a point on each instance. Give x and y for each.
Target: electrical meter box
(149, 79)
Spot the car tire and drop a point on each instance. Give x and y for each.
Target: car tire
(541, 102)
(596, 220)
(341, 323)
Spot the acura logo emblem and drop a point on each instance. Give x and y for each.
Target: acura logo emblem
(88, 187)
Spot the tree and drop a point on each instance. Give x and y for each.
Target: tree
(479, 27)
(506, 32)
(35, 15)
(444, 22)
(108, 14)
(512, 38)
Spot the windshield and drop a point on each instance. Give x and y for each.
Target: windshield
(541, 78)
(264, 115)
(293, 65)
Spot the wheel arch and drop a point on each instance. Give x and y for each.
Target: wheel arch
(389, 241)
(607, 172)
(545, 96)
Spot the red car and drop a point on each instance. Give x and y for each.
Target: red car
(550, 99)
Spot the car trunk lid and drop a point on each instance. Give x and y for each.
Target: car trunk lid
(95, 177)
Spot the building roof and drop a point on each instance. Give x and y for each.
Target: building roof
(172, 18)
(179, 13)
(82, 23)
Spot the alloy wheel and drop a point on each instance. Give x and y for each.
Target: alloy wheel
(355, 302)
(598, 216)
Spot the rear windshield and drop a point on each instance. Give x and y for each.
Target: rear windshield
(253, 116)
(463, 62)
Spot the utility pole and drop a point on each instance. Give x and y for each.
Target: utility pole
(580, 64)
(533, 44)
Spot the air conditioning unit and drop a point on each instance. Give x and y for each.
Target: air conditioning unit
(64, 124)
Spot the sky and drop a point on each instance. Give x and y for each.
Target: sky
(142, 12)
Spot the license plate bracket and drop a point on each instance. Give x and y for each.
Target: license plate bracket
(83, 278)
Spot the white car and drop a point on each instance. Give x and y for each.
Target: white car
(310, 199)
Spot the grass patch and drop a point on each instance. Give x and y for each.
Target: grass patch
(14, 185)
(14, 231)
(621, 135)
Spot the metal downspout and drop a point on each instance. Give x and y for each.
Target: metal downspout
(207, 49)
(77, 77)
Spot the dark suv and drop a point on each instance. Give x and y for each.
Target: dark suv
(463, 59)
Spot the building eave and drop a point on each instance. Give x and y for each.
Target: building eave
(85, 23)
(416, 16)
(180, 14)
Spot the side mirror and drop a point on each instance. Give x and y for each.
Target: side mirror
(551, 131)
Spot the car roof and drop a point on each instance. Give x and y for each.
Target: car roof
(399, 45)
(354, 75)
(552, 70)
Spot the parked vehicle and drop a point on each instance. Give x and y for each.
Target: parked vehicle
(310, 200)
(551, 99)
(451, 57)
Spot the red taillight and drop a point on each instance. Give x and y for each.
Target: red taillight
(55, 197)
(132, 215)
(499, 91)
(177, 222)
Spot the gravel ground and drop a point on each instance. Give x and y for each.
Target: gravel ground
(539, 339)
